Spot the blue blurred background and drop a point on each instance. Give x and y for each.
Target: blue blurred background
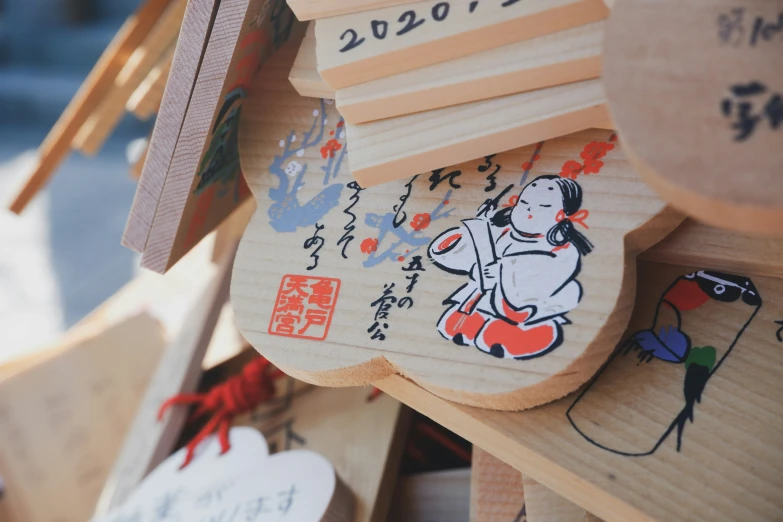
(62, 257)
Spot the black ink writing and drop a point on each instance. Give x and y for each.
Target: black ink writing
(315, 241)
(437, 177)
(732, 29)
(383, 306)
(749, 104)
(491, 176)
(409, 20)
(414, 266)
(400, 216)
(353, 43)
(348, 229)
(379, 28)
(779, 333)
(440, 11)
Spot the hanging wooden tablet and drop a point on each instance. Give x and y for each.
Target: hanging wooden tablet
(196, 26)
(503, 282)
(204, 183)
(360, 47)
(563, 57)
(62, 420)
(222, 482)
(401, 147)
(686, 424)
(699, 104)
(150, 440)
(329, 420)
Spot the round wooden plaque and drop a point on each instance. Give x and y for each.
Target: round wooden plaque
(696, 92)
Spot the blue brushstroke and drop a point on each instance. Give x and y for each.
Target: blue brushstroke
(410, 241)
(287, 214)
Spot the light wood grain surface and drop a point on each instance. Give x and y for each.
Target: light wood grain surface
(99, 82)
(294, 153)
(196, 25)
(709, 144)
(563, 57)
(63, 420)
(360, 47)
(401, 147)
(728, 466)
(496, 490)
(544, 505)
(697, 244)
(149, 441)
(304, 74)
(204, 184)
(362, 439)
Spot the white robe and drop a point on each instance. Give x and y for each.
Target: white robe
(533, 275)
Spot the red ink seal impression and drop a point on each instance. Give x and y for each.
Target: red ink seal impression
(304, 307)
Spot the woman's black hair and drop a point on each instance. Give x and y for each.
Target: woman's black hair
(563, 232)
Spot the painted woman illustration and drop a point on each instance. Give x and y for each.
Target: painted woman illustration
(521, 264)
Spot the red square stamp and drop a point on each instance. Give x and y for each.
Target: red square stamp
(304, 306)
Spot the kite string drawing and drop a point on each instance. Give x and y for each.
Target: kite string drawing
(667, 345)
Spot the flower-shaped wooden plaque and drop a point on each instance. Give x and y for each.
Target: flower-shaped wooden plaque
(503, 282)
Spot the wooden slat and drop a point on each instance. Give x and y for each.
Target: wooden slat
(196, 26)
(563, 57)
(398, 148)
(731, 476)
(63, 420)
(544, 505)
(230, 231)
(146, 99)
(496, 490)
(202, 188)
(148, 441)
(100, 125)
(697, 244)
(389, 41)
(304, 74)
(312, 9)
(57, 144)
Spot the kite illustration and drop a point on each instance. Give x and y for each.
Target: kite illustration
(696, 325)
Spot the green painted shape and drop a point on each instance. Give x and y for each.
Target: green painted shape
(703, 356)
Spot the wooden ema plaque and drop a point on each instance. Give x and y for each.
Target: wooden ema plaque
(360, 47)
(503, 282)
(698, 103)
(204, 185)
(683, 423)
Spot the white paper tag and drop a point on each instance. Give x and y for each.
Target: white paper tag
(244, 485)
